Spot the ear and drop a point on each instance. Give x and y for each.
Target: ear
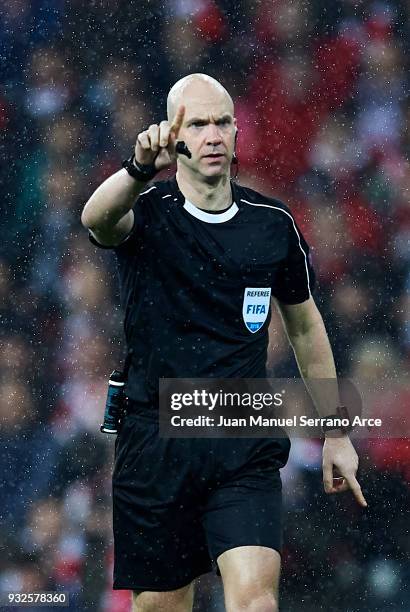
(236, 135)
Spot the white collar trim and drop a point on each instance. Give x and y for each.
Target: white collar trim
(209, 217)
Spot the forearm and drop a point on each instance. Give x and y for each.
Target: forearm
(314, 357)
(113, 199)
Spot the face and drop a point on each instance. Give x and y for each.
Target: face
(208, 130)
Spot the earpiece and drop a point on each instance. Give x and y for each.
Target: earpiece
(182, 149)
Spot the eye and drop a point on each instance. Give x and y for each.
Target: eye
(197, 124)
(225, 121)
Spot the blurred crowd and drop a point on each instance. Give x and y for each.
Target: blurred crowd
(322, 102)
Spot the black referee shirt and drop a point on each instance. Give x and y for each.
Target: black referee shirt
(195, 286)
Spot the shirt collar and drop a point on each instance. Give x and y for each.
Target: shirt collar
(201, 214)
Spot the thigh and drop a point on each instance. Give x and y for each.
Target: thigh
(159, 540)
(245, 515)
(180, 600)
(245, 509)
(249, 574)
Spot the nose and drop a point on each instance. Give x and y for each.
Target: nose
(213, 135)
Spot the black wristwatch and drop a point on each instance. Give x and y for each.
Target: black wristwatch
(139, 172)
(342, 413)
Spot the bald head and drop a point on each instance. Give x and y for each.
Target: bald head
(199, 86)
(201, 114)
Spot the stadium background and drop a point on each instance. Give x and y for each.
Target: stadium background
(321, 92)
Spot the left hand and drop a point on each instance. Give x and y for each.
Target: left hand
(339, 453)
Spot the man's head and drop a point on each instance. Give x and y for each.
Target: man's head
(208, 127)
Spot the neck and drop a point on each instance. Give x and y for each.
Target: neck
(208, 195)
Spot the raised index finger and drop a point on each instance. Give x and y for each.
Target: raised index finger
(178, 119)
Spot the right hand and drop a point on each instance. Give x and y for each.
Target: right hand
(158, 142)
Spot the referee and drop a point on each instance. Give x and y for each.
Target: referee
(190, 251)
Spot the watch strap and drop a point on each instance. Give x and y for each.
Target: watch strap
(342, 413)
(140, 172)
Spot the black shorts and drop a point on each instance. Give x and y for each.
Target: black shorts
(180, 503)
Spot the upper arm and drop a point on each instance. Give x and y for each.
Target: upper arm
(116, 234)
(298, 319)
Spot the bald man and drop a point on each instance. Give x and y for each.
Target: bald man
(192, 253)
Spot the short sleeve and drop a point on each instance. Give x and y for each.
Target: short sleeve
(129, 240)
(95, 242)
(295, 279)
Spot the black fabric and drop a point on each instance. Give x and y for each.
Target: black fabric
(178, 504)
(182, 283)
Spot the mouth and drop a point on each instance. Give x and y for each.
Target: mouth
(214, 156)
